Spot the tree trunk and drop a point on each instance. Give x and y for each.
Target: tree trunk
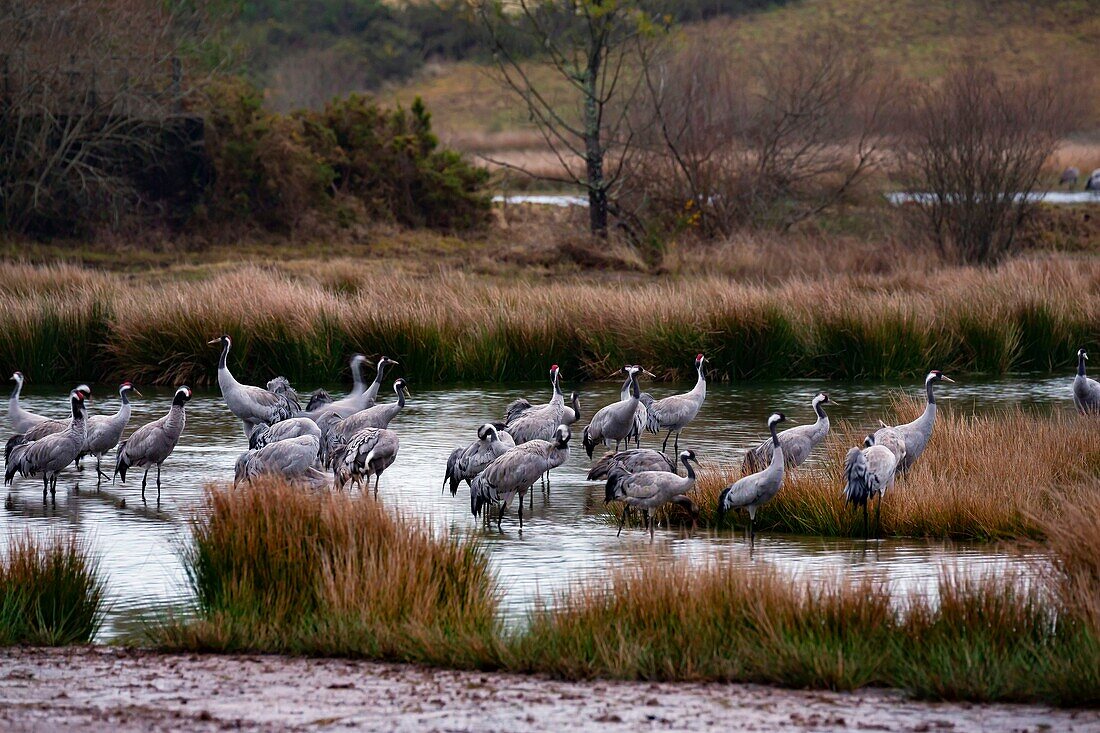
(593, 146)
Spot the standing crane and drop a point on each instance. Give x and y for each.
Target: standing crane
(466, 463)
(152, 443)
(648, 490)
(293, 459)
(515, 472)
(1086, 392)
(45, 426)
(908, 441)
(675, 412)
(869, 472)
(335, 431)
(52, 453)
(369, 452)
(616, 421)
(21, 420)
(104, 431)
(253, 405)
(798, 442)
(757, 489)
(526, 422)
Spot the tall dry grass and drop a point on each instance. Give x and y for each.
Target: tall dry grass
(1003, 475)
(1073, 539)
(1027, 314)
(51, 591)
(277, 569)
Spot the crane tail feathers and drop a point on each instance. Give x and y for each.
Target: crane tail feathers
(13, 441)
(857, 490)
(602, 468)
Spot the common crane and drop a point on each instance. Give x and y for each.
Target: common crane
(52, 453)
(913, 436)
(369, 452)
(295, 427)
(515, 472)
(335, 431)
(649, 490)
(1086, 391)
(675, 412)
(465, 463)
(798, 442)
(536, 422)
(46, 426)
(21, 420)
(253, 405)
(869, 472)
(633, 460)
(293, 459)
(614, 422)
(152, 443)
(104, 431)
(754, 490)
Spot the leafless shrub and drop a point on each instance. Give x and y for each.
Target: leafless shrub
(974, 150)
(88, 91)
(768, 141)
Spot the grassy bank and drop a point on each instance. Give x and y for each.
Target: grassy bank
(275, 569)
(279, 571)
(61, 324)
(50, 592)
(1002, 475)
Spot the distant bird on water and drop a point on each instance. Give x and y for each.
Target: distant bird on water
(1069, 177)
(755, 490)
(1086, 391)
(369, 452)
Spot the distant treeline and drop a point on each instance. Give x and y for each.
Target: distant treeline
(308, 51)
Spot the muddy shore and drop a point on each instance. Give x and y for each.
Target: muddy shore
(107, 689)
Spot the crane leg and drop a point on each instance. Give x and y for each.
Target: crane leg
(99, 471)
(377, 478)
(664, 445)
(878, 517)
(676, 446)
(500, 515)
(752, 530)
(864, 520)
(144, 478)
(521, 510)
(158, 484)
(623, 520)
(45, 487)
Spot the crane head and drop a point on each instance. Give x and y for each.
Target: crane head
(776, 418)
(400, 388)
(561, 436)
(1081, 354)
(18, 376)
(129, 387)
(937, 376)
(486, 431)
(688, 455)
(183, 394)
(224, 340)
(699, 359)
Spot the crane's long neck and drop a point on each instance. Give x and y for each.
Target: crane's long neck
(635, 391)
(700, 388)
(400, 398)
(13, 401)
(777, 452)
(226, 380)
(558, 396)
(624, 391)
(124, 410)
(358, 385)
(576, 405)
(690, 470)
(822, 422)
(1080, 370)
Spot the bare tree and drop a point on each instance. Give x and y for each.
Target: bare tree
(596, 47)
(87, 89)
(770, 140)
(974, 150)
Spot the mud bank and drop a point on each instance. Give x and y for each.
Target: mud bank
(106, 689)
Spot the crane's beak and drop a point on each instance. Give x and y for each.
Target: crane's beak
(947, 379)
(406, 391)
(213, 341)
(649, 373)
(835, 402)
(134, 390)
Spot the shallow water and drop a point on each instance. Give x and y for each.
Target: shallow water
(562, 541)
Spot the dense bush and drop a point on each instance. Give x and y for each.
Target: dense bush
(352, 160)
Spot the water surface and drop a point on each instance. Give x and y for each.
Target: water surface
(563, 540)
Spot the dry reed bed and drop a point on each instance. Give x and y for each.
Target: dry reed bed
(1001, 475)
(63, 324)
(50, 591)
(277, 570)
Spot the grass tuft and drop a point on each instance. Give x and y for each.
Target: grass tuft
(50, 592)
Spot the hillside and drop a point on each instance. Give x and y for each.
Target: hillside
(916, 38)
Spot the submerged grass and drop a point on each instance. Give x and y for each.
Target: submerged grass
(1027, 314)
(1001, 475)
(276, 570)
(50, 592)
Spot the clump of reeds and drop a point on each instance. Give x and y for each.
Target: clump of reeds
(1002, 475)
(50, 591)
(1023, 315)
(1073, 539)
(983, 640)
(278, 569)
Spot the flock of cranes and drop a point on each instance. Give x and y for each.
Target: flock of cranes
(349, 441)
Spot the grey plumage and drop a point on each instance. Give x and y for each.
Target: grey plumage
(1086, 391)
(757, 489)
(294, 427)
(614, 422)
(362, 396)
(798, 442)
(676, 412)
(318, 398)
(868, 472)
(335, 430)
(105, 431)
(465, 463)
(368, 453)
(572, 411)
(908, 441)
(52, 453)
(537, 422)
(294, 459)
(515, 472)
(44, 427)
(253, 405)
(634, 460)
(648, 490)
(641, 412)
(1093, 183)
(1069, 177)
(152, 443)
(21, 420)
